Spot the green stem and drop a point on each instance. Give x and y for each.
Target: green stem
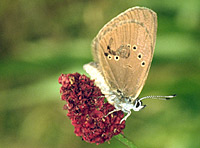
(125, 141)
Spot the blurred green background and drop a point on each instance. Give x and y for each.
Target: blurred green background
(41, 39)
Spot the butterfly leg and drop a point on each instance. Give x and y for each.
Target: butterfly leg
(115, 110)
(128, 114)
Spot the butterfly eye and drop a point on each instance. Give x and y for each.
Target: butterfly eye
(143, 63)
(116, 58)
(138, 104)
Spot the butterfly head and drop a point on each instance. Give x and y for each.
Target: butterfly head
(126, 104)
(137, 105)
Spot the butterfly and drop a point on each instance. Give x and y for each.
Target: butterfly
(123, 51)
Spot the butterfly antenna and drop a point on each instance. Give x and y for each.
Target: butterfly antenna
(159, 97)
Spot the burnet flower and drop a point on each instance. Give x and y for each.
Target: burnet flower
(87, 109)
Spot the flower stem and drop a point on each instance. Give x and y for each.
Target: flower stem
(125, 141)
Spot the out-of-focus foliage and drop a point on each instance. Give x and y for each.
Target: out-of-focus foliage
(41, 39)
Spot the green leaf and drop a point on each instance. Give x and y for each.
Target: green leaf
(125, 141)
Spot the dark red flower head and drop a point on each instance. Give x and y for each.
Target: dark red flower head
(87, 109)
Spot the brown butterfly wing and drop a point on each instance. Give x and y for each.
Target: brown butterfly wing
(124, 49)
